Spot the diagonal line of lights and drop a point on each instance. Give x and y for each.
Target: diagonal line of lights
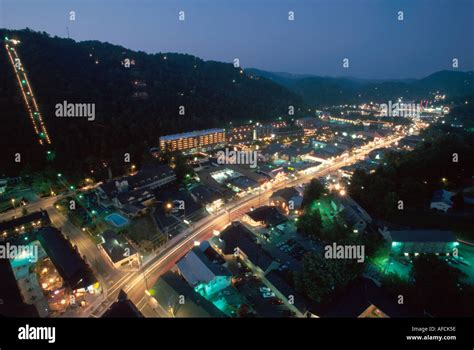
(27, 93)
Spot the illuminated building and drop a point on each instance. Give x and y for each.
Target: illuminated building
(193, 140)
(287, 199)
(118, 250)
(241, 133)
(414, 242)
(24, 224)
(205, 276)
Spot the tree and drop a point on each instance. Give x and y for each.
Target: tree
(439, 288)
(389, 205)
(313, 191)
(182, 169)
(319, 278)
(310, 223)
(336, 232)
(458, 201)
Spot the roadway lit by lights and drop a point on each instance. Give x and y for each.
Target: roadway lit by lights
(27, 93)
(135, 283)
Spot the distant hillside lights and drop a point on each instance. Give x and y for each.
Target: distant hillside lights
(75, 110)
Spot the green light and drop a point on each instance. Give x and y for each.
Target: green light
(23, 81)
(71, 187)
(6, 38)
(59, 174)
(41, 135)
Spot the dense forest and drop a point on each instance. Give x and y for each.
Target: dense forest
(133, 106)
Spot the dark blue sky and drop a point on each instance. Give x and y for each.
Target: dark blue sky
(259, 34)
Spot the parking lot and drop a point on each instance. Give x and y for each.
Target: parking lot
(261, 299)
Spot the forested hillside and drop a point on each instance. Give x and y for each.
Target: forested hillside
(133, 106)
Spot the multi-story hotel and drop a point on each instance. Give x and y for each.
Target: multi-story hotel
(241, 133)
(193, 140)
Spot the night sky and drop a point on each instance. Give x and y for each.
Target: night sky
(259, 34)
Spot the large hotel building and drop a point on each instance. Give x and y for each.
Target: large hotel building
(193, 140)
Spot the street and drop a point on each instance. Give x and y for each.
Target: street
(135, 283)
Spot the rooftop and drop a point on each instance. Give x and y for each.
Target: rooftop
(22, 220)
(65, 258)
(123, 307)
(277, 279)
(243, 183)
(238, 236)
(359, 295)
(12, 304)
(146, 176)
(423, 236)
(116, 247)
(205, 194)
(286, 193)
(442, 196)
(196, 268)
(268, 214)
(169, 290)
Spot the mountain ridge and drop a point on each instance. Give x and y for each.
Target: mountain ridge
(324, 90)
